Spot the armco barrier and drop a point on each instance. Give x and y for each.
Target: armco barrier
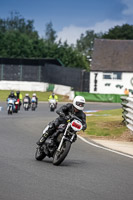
(127, 106)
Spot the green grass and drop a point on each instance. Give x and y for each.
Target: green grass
(42, 96)
(106, 123)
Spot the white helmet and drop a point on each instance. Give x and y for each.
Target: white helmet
(79, 102)
(34, 95)
(26, 95)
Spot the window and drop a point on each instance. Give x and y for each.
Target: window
(106, 76)
(113, 75)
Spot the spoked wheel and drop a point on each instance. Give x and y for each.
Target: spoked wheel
(60, 156)
(39, 155)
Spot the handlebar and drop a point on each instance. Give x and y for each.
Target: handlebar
(72, 116)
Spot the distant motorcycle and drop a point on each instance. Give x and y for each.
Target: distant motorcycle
(33, 103)
(12, 105)
(17, 108)
(64, 136)
(18, 104)
(52, 104)
(26, 104)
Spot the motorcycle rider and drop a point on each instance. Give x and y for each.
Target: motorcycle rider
(75, 108)
(27, 97)
(19, 96)
(12, 95)
(34, 99)
(53, 96)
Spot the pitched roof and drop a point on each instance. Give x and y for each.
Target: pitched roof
(112, 55)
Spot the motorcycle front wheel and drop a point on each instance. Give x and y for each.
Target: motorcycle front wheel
(61, 155)
(39, 155)
(9, 111)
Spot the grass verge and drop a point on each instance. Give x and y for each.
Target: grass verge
(108, 125)
(42, 96)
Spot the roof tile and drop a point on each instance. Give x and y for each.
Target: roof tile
(112, 55)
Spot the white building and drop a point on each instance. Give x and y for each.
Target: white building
(112, 66)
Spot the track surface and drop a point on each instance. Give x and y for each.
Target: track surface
(87, 173)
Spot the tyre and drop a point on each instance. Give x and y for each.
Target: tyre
(9, 111)
(39, 155)
(16, 111)
(52, 109)
(33, 107)
(60, 156)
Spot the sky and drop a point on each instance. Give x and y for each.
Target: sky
(71, 18)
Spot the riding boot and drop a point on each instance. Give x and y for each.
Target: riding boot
(42, 139)
(45, 135)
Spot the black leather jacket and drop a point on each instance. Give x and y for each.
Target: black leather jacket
(69, 108)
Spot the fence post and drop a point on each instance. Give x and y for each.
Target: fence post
(39, 74)
(21, 72)
(2, 71)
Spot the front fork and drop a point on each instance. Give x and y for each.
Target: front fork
(64, 137)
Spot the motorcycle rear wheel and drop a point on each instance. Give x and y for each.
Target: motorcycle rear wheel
(33, 108)
(39, 155)
(52, 109)
(60, 156)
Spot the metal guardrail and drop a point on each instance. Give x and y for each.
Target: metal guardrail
(127, 114)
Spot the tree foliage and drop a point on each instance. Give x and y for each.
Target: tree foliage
(124, 32)
(50, 33)
(19, 39)
(85, 43)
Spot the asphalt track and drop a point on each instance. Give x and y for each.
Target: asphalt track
(87, 173)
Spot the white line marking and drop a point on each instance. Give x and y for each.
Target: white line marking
(107, 149)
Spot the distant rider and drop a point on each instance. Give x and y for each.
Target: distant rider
(34, 99)
(27, 97)
(75, 108)
(19, 96)
(53, 96)
(12, 95)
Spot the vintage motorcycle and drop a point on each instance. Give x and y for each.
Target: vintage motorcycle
(52, 104)
(17, 108)
(64, 136)
(12, 105)
(33, 103)
(26, 104)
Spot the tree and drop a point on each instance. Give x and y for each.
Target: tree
(50, 33)
(85, 44)
(124, 32)
(71, 57)
(15, 45)
(17, 22)
(18, 39)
